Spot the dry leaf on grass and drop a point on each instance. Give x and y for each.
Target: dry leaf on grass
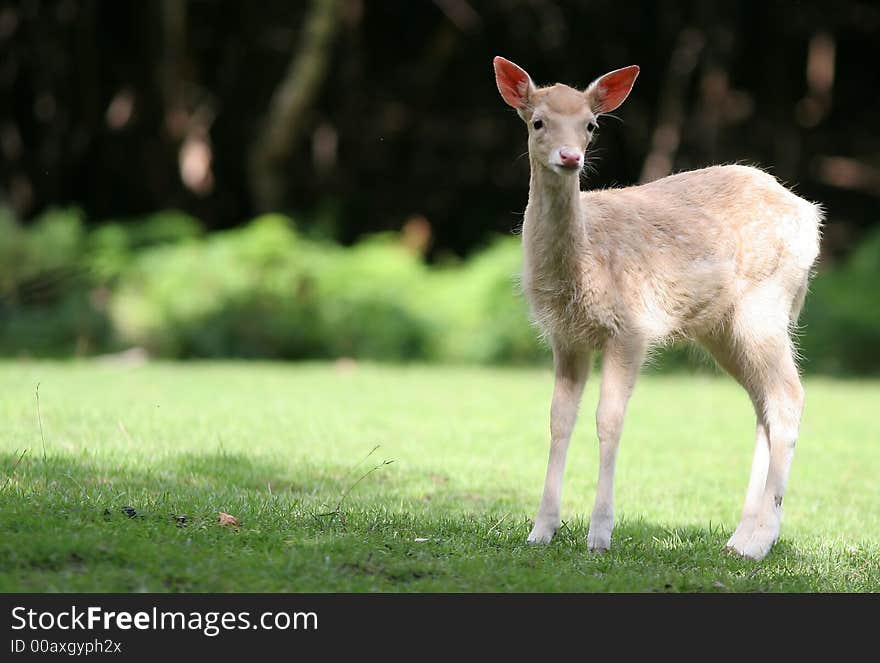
(227, 520)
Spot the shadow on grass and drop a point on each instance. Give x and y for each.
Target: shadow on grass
(62, 517)
(233, 475)
(186, 473)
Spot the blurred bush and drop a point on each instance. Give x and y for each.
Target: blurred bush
(840, 330)
(265, 290)
(46, 306)
(56, 279)
(476, 312)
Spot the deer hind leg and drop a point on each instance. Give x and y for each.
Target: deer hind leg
(763, 356)
(723, 350)
(783, 405)
(755, 491)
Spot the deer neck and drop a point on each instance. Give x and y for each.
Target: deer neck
(554, 236)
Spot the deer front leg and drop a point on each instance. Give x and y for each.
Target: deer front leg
(572, 368)
(620, 368)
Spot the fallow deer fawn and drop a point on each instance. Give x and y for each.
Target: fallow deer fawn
(721, 256)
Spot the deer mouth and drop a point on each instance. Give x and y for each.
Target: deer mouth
(565, 169)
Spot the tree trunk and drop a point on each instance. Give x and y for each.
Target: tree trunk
(667, 133)
(289, 105)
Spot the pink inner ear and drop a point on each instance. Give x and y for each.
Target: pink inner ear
(613, 88)
(512, 81)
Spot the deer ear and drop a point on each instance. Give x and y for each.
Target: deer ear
(513, 83)
(609, 91)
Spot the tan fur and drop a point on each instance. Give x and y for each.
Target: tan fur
(721, 256)
(673, 257)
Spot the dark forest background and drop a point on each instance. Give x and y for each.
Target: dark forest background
(355, 117)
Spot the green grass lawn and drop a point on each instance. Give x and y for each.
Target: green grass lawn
(282, 446)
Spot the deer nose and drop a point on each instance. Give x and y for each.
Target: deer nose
(570, 158)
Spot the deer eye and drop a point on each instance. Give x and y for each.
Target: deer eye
(538, 124)
(591, 127)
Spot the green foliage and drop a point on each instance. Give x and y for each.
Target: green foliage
(841, 319)
(112, 245)
(367, 297)
(46, 305)
(265, 290)
(476, 312)
(51, 244)
(56, 278)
